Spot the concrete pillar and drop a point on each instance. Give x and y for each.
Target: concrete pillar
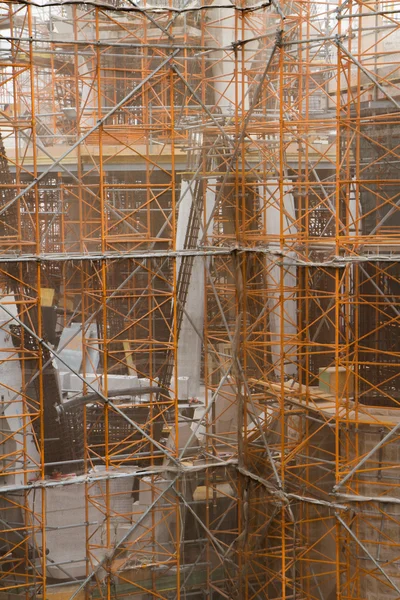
(279, 314)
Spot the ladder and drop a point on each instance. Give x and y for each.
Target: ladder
(182, 288)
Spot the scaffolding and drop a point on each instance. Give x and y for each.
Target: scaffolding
(199, 299)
